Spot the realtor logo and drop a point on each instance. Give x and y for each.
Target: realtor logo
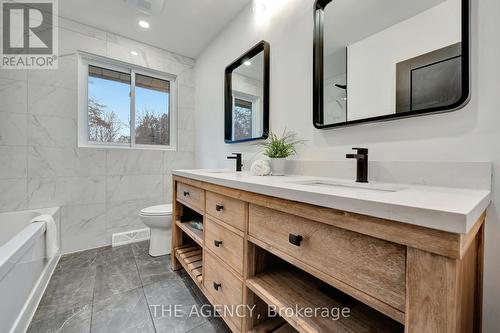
(29, 34)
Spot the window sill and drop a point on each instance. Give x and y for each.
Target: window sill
(141, 147)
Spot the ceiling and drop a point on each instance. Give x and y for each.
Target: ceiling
(349, 21)
(255, 70)
(181, 26)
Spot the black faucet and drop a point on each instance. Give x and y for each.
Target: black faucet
(362, 164)
(237, 157)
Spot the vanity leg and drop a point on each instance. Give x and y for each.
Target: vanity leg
(443, 295)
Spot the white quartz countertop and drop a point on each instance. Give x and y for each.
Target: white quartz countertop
(443, 208)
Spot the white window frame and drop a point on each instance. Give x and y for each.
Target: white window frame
(256, 112)
(84, 61)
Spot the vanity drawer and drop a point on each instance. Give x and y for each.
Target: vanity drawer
(374, 266)
(224, 287)
(225, 244)
(191, 195)
(229, 210)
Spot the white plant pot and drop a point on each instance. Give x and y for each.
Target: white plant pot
(278, 166)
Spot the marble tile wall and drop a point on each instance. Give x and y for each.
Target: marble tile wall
(100, 190)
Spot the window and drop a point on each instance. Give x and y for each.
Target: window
(125, 106)
(247, 117)
(243, 110)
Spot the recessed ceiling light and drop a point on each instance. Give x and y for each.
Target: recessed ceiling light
(247, 63)
(134, 53)
(144, 24)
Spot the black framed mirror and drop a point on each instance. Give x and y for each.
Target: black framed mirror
(381, 60)
(246, 96)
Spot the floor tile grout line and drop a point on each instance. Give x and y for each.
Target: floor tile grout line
(143, 291)
(93, 298)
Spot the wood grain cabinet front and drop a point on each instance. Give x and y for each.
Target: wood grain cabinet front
(192, 196)
(229, 210)
(225, 288)
(225, 244)
(373, 266)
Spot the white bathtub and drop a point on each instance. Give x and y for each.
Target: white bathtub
(24, 267)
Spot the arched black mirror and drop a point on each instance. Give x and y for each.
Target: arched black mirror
(380, 60)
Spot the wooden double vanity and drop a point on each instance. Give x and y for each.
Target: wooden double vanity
(259, 252)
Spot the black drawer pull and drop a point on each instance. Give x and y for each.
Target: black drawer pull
(295, 239)
(219, 207)
(186, 193)
(217, 286)
(217, 243)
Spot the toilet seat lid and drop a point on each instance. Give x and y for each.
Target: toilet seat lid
(159, 210)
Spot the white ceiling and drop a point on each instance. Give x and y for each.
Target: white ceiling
(349, 21)
(182, 26)
(255, 70)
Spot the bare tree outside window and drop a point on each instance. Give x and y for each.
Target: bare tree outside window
(104, 125)
(242, 119)
(152, 128)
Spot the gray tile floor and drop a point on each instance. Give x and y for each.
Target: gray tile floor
(121, 289)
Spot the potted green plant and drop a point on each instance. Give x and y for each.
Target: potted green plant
(278, 148)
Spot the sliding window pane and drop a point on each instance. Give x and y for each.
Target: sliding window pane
(152, 111)
(108, 106)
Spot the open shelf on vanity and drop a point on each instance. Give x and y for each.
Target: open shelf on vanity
(195, 234)
(287, 288)
(191, 259)
(187, 223)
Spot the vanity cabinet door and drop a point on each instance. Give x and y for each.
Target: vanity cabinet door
(192, 196)
(374, 266)
(224, 287)
(225, 244)
(226, 209)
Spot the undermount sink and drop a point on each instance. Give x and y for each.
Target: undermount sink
(348, 185)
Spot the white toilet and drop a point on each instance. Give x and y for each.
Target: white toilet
(159, 221)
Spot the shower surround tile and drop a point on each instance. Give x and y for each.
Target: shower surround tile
(14, 194)
(63, 77)
(66, 162)
(120, 188)
(63, 191)
(83, 227)
(126, 213)
(13, 163)
(52, 101)
(13, 96)
(50, 131)
(134, 162)
(13, 129)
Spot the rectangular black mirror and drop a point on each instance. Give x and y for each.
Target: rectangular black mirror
(246, 96)
(380, 60)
